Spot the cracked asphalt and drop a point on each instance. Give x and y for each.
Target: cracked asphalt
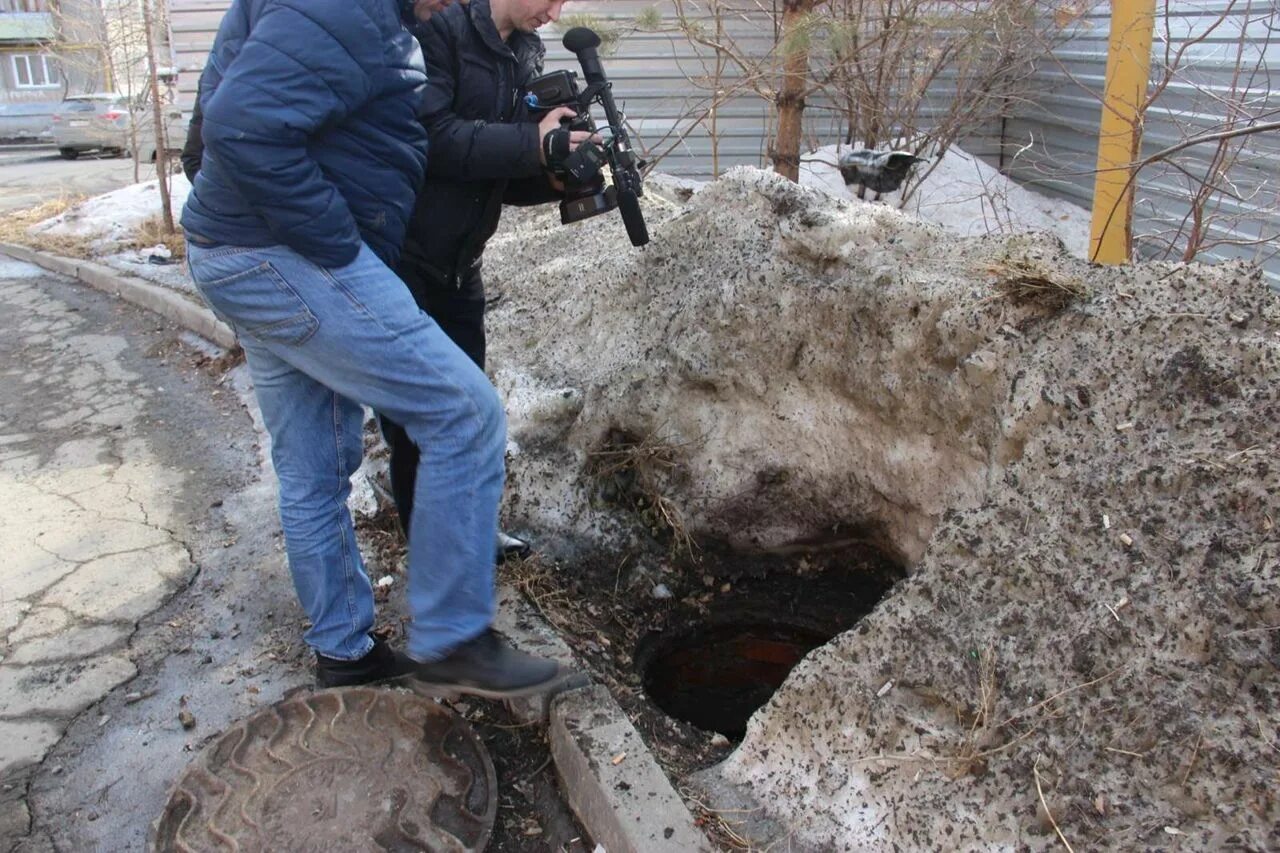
(141, 573)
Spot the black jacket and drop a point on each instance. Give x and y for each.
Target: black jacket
(193, 148)
(483, 145)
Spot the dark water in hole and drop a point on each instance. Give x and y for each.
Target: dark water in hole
(717, 677)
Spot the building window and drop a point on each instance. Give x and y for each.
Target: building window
(24, 6)
(35, 71)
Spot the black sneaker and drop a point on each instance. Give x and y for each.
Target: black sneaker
(511, 547)
(489, 667)
(382, 663)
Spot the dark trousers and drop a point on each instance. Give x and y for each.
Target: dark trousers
(460, 314)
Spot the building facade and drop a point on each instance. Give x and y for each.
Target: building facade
(29, 69)
(48, 49)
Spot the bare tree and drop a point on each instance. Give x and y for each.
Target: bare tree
(919, 74)
(794, 85)
(126, 48)
(157, 113)
(1214, 165)
(110, 46)
(1211, 96)
(925, 74)
(718, 75)
(778, 75)
(122, 45)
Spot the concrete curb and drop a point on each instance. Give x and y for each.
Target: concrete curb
(520, 623)
(629, 807)
(152, 297)
(612, 782)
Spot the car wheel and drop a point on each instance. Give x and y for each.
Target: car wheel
(68, 153)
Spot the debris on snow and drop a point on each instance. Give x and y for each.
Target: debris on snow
(803, 359)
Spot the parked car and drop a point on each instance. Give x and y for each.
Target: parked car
(27, 121)
(103, 122)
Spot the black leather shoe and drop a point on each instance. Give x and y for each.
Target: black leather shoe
(489, 667)
(511, 547)
(382, 663)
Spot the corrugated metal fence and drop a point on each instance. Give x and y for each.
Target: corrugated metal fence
(1212, 68)
(665, 85)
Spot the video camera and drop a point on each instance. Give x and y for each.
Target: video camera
(586, 194)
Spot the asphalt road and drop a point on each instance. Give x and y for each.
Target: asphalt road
(29, 176)
(140, 573)
(145, 605)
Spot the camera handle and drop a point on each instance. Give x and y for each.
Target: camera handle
(583, 42)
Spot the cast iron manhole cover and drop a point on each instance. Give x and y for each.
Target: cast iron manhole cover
(341, 770)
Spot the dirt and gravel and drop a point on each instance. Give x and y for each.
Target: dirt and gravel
(1076, 465)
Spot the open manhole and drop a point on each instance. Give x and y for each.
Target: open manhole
(714, 667)
(342, 770)
(716, 678)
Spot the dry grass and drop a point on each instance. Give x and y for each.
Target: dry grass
(152, 231)
(632, 469)
(14, 225)
(980, 744)
(985, 734)
(1035, 770)
(720, 825)
(232, 358)
(1024, 283)
(14, 229)
(970, 757)
(534, 578)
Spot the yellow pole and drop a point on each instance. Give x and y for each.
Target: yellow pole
(1120, 136)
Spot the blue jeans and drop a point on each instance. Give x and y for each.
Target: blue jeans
(321, 342)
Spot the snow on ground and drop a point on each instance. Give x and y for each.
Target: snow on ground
(109, 220)
(967, 197)
(135, 262)
(10, 269)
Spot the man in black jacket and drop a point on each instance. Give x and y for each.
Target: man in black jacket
(485, 151)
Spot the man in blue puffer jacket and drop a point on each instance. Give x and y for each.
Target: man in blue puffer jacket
(313, 154)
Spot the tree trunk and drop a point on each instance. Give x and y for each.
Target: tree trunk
(790, 98)
(162, 144)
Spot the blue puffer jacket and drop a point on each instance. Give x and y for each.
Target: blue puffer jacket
(310, 129)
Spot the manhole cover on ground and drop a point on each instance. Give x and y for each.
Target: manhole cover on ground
(341, 770)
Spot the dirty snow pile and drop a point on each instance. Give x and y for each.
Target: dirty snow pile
(1080, 466)
(112, 219)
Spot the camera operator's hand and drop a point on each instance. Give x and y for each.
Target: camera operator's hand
(571, 138)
